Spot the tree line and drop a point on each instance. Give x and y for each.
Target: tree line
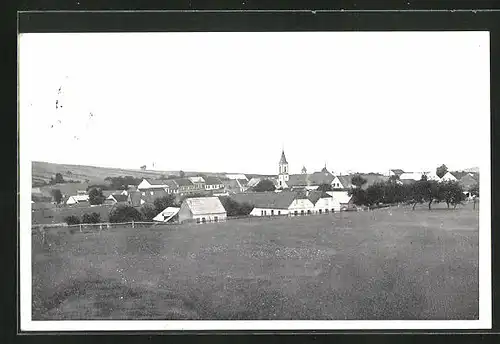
(422, 191)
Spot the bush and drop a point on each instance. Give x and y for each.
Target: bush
(124, 213)
(164, 202)
(91, 218)
(148, 212)
(234, 208)
(72, 220)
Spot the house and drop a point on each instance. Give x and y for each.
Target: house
(267, 203)
(78, 199)
(396, 172)
(323, 202)
(202, 209)
(168, 214)
(117, 198)
(231, 186)
(237, 176)
(134, 198)
(343, 198)
(410, 177)
(467, 181)
(185, 186)
(253, 182)
(150, 195)
(432, 176)
(152, 184)
(301, 205)
(198, 182)
(341, 182)
(448, 177)
(214, 183)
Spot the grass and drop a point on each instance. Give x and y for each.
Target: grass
(385, 264)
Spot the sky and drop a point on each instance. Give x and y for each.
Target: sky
(229, 102)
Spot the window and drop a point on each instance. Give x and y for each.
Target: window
(333, 210)
(279, 212)
(262, 212)
(326, 211)
(198, 220)
(302, 212)
(320, 211)
(152, 193)
(265, 213)
(144, 194)
(272, 212)
(216, 219)
(203, 220)
(308, 212)
(295, 213)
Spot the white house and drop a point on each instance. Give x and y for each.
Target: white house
(117, 198)
(267, 203)
(152, 184)
(432, 176)
(213, 183)
(202, 209)
(341, 182)
(448, 177)
(167, 214)
(342, 197)
(324, 203)
(301, 205)
(77, 199)
(236, 176)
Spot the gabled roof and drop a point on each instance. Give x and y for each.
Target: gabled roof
(171, 184)
(166, 214)
(197, 179)
(467, 181)
(212, 181)
(346, 181)
(205, 205)
(315, 196)
(254, 181)
(120, 197)
(156, 181)
(242, 182)
(459, 174)
(323, 177)
(157, 193)
(275, 200)
(183, 182)
(298, 180)
(398, 172)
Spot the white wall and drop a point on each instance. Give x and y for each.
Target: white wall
(299, 205)
(258, 212)
(327, 203)
(210, 217)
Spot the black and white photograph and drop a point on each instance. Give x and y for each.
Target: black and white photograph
(254, 180)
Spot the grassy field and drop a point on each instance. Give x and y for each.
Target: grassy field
(385, 264)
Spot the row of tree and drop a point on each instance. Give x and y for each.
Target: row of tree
(422, 191)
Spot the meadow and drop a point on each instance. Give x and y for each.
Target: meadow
(383, 264)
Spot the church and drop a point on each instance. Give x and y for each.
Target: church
(302, 180)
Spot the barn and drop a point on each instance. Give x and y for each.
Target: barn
(201, 210)
(323, 202)
(267, 203)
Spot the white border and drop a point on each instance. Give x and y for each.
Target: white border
(485, 308)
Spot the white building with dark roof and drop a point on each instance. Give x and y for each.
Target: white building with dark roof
(201, 210)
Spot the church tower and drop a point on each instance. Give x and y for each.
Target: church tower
(283, 176)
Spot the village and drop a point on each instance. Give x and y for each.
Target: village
(204, 198)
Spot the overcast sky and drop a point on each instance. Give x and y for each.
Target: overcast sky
(230, 101)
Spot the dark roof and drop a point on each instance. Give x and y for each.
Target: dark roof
(283, 158)
(398, 172)
(467, 181)
(171, 184)
(315, 196)
(184, 182)
(459, 174)
(212, 180)
(120, 198)
(276, 200)
(323, 177)
(372, 179)
(346, 181)
(298, 180)
(134, 198)
(157, 193)
(156, 181)
(324, 170)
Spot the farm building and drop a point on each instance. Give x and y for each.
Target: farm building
(186, 186)
(167, 215)
(448, 177)
(237, 176)
(267, 203)
(232, 186)
(214, 183)
(78, 199)
(198, 182)
(152, 184)
(323, 202)
(202, 209)
(468, 181)
(396, 172)
(341, 182)
(301, 205)
(343, 198)
(117, 198)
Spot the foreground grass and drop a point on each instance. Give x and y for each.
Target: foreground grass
(385, 264)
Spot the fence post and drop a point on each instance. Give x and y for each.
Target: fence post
(133, 226)
(80, 227)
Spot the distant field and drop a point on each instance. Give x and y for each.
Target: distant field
(385, 264)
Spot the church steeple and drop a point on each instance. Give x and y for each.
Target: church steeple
(283, 176)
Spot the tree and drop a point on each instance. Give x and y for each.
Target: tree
(234, 208)
(72, 220)
(91, 218)
(59, 178)
(264, 185)
(124, 213)
(164, 202)
(96, 196)
(415, 193)
(57, 195)
(474, 191)
(451, 192)
(325, 187)
(393, 179)
(148, 212)
(182, 174)
(358, 181)
(358, 196)
(375, 194)
(441, 170)
(430, 191)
